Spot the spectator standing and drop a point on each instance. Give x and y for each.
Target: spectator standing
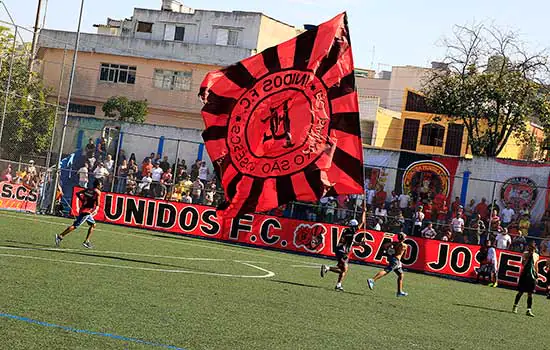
(6, 175)
(477, 228)
(525, 210)
(404, 200)
(198, 187)
(186, 198)
(381, 213)
(429, 232)
(122, 176)
(507, 215)
(494, 223)
(156, 176)
(428, 208)
(187, 185)
(331, 207)
(483, 210)
(209, 196)
(102, 149)
(418, 219)
(503, 239)
(109, 165)
(131, 184)
(83, 176)
(164, 164)
(146, 167)
(371, 193)
(203, 173)
(90, 149)
(182, 165)
(469, 210)
(100, 173)
(181, 175)
(31, 169)
(132, 167)
(132, 158)
(145, 185)
(494, 206)
(380, 196)
(158, 158)
(457, 225)
(195, 169)
(167, 180)
(524, 225)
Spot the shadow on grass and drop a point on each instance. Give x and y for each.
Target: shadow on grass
(308, 286)
(96, 255)
(482, 308)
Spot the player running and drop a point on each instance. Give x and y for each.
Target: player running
(342, 254)
(395, 252)
(90, 201)
(528, 278)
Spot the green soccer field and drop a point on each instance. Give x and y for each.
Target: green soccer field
(145, 290)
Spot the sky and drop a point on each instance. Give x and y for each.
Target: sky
(384, 33)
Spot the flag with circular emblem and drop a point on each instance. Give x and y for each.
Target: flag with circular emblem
(283, 125)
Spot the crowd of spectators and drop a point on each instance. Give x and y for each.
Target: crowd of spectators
(153, 177)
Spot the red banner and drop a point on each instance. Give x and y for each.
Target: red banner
(428, 256)
(17, 197)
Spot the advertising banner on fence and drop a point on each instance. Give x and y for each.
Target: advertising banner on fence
(17, 197)
(428, 256)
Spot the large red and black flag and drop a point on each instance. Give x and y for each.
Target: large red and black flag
(283, 125)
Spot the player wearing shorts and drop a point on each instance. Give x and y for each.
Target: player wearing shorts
(395, 252)
(89, 205)
(342, 254)
(528, 278)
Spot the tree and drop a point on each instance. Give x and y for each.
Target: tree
(28, 123)
(126, 110)
(492, 85)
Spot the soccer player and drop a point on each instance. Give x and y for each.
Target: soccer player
(342, 254)
(395, 252)
(90, 200)
(528, 278)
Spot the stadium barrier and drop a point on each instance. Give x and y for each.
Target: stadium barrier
(427, 256)
(18, 197)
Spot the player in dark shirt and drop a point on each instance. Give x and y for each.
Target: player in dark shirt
(90, 200)
(342, 254)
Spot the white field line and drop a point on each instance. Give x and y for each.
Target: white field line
(307, 266)
(266, 275)
(157, 238)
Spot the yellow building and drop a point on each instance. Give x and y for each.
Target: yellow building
(414, 129)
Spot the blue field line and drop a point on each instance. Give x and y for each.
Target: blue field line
(83, 331)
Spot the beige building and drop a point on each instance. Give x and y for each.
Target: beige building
(160, 56)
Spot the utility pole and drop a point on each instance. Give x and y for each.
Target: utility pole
(66, 120)
(8, 86)
(35, 35)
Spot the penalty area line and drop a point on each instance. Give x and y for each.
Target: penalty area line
(88, 332)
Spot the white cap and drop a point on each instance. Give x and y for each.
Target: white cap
(353, 222)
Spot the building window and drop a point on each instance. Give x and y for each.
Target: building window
(81, 109)
(117, 73)
(227, 37)
(172, 80)
(432, 135)
(179, 34)
(416, 103)
(145, 27)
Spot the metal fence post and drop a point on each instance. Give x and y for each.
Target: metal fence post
(115, 168)
(60, 86)
(8, 87)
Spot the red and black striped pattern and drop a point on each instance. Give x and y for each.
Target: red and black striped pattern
(320, 150)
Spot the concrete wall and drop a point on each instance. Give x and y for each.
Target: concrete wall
(197, 53)
(166, 107)
(202, 25)
(403, 78)
(141, 139)
(273, 32)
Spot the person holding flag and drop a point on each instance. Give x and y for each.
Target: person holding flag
(90, 200)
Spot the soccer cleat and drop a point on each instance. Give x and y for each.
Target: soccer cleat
(370, 282)
(339, 288)
(324, 270)
(87, 244)
(402, 294)
(529, 313)
(58, 240)
(494, 285)
(515, 309)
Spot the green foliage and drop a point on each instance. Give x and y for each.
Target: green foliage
(28, 124)
(123, 109)
(492, 86)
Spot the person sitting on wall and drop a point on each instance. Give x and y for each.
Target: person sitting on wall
(488, 265)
